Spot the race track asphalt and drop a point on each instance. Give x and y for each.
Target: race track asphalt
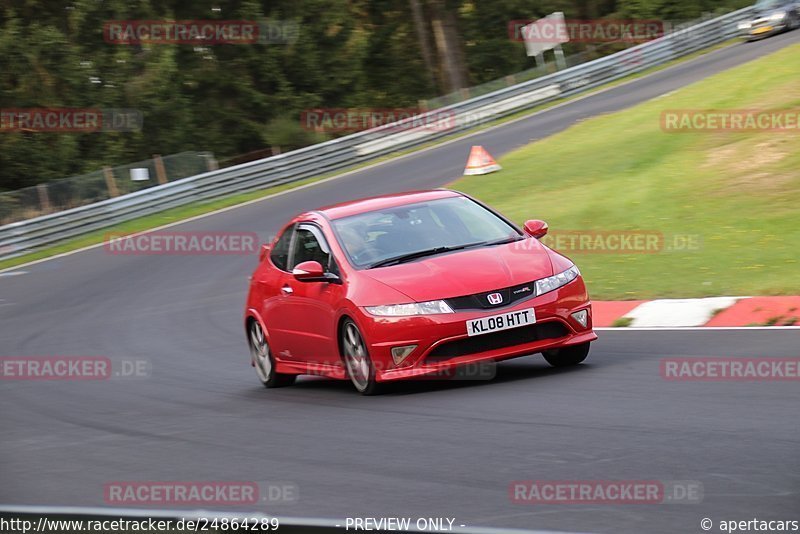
(422, 449)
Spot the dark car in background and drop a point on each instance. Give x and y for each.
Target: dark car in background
(771, 17)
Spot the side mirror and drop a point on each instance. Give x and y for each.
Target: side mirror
(536, 228)
(263, 253)
(309, 271)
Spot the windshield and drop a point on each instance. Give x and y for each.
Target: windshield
(377, 236)
(768, 4)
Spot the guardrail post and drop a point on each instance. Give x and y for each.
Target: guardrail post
(111, 184)
(44, 198)
(161, 172)
(211, 163)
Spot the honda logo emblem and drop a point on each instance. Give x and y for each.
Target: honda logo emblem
(495, 298)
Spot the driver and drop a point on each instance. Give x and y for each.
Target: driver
(355, 239)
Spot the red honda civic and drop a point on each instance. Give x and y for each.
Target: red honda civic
(410, 285)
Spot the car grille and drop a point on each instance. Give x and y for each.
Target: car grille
(480, 301)
(497, 340)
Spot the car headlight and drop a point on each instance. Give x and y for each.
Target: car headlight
(545, 285)
(745, 25)
(413, 308)
(777, 16)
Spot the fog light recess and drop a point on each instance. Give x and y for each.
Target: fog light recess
(582, 317)
(401, 353)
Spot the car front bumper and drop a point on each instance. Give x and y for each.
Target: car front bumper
(443, 345)
(762, 30)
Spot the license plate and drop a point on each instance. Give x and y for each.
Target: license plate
(762, 30)
(503, 321)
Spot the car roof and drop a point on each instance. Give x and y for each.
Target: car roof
(355, 207)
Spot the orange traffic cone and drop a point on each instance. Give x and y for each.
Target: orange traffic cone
(480, 162)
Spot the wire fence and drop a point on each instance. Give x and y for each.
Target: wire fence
(110, 182)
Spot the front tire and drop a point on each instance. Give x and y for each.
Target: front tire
(356, 359)
(567, 356)
(794, 22)
(263, 361)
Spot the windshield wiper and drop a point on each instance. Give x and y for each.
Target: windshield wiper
(438, 250)
(414, 255)
(503, 241)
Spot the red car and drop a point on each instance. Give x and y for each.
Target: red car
(410, 285)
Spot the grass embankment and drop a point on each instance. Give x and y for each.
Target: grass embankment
(739, 193)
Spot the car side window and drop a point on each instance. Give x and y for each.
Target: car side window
(309, 246)
(280, 252)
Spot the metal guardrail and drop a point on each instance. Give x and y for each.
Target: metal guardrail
(67, 193)
(25, 236)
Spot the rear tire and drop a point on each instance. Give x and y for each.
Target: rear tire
(263, 361)
(356, 359)
(567, 356)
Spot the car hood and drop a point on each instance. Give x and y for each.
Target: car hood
(467, 272)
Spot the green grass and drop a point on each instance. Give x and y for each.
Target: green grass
(200, 208)
(622, 322)
(738, 191)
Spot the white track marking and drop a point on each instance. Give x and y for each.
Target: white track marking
(690, 328)
(12, 273)
(678, 312)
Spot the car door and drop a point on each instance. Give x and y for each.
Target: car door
(270, 279)
(310, 307)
